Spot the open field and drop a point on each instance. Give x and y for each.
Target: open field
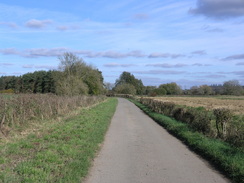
(235, 104)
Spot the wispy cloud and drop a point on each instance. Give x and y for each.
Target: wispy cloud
(240, 63)
(234, 57)
(214, 30)
(214, 76)
(166, 72)
(28, 66)
(239, 73)
(199, 52)
(6, 64)
(118, 65)
(141, 16)
(201, 65)
(219, 9)
(10, 51)
(67, 27)
(167, 65)
(54, 52)
(63, 28)
(31, 66)
(165, 55)
(9, 24)
(37, 24)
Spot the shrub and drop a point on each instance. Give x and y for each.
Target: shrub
(223, 118)
(235, 131)
(178, 113)
(199, 119)
(167, 108)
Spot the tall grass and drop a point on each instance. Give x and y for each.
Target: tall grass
(19, 109)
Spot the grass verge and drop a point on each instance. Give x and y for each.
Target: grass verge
(60, 153)
(228, 159)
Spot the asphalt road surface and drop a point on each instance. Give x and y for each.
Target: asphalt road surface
(137, 150)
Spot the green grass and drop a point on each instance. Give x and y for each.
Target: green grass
(228, 159)
(6, 96)
(62, 152)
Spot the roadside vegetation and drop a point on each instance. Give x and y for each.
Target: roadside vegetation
(59, 152)
(228, 158)
(52, 122)
(17, 112)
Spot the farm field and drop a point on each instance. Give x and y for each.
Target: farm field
(235, 104)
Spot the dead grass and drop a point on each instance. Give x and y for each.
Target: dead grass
(235, 104)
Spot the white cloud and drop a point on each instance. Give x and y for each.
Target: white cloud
(37, 24)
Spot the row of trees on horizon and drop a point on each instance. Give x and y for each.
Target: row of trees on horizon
(75, 77)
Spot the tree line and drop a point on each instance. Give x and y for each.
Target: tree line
(75, 77)
(128, 84)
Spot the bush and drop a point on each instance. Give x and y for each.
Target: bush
(167, 108)
(178, 113)
(223, 118)
(199, 119)
(235, 131)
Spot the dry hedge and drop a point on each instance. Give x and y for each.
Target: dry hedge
(17, 109)
(220, 123)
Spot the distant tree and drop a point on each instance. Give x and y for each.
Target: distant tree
(217, 89)
(160, 91)
(205, 90)
(232, 87)
(149, 90)
(76, 77)
(201, 90)
(171, 88)
(128, 78)
(193, 90)
(125, 88)
(28, 83)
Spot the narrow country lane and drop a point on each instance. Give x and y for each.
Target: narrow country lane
(137, 150)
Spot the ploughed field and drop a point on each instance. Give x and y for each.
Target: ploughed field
(234, 103)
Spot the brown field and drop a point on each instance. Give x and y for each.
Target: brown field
(236, 104)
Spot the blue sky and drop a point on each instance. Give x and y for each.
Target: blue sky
(190, 42)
